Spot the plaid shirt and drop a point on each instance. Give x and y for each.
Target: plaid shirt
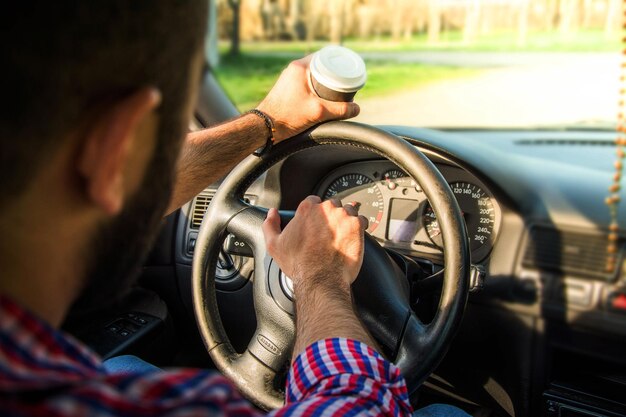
(44, 372)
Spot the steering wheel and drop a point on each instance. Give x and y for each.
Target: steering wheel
(381, 291)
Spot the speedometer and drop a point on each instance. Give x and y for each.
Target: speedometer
(362, 192)
(478, 212)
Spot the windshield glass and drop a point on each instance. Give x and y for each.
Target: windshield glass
(439, 63)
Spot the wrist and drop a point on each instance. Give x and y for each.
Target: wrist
(323, 285)
(281, 130)
(325, 313)
(258, 127)
(263, 127)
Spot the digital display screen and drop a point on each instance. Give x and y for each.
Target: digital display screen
(402, 220)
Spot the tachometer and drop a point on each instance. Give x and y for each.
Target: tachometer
(478, 212)
(361, 190)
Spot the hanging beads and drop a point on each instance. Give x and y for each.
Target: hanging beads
(613, 198)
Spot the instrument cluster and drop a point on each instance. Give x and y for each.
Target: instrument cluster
(399, 213)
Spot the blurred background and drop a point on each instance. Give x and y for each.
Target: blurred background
(437, 63)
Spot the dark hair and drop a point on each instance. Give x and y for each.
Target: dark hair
(61, 59)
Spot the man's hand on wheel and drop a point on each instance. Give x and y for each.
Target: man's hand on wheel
(322, 247)
(294, 106)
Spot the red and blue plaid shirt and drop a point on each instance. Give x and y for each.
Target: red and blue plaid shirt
(44, 372)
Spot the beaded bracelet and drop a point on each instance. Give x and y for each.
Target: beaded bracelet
(270, 127)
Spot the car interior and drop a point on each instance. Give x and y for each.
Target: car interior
(533, 323)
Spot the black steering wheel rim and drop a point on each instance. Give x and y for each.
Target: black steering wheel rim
(420, 347)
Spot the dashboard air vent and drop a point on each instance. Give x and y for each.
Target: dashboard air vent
(567, 252)
(200, 206)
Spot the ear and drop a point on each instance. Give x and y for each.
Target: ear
(105, 157)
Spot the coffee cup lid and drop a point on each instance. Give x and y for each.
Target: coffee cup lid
(339, 69)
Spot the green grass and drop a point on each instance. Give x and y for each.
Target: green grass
(248, 78)
(500, 41)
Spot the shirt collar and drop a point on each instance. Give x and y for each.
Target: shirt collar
(35, 355)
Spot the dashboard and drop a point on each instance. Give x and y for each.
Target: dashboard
(533, 204)
(549, 313)
(400, 216)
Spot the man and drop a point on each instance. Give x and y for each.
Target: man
(97, 96)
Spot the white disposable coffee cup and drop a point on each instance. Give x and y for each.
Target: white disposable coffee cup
(337, 73)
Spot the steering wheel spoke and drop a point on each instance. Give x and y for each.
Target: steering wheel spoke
(270, 347)
(246, 224)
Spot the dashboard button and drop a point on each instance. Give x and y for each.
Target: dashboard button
(617, 302)
(235, 246)
(191, 242)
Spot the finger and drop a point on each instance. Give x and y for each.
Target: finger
(351, 210)
(336, 202)
(271, 227)
(305, 61)
(364, 222)
(341, 110)
(314, 199)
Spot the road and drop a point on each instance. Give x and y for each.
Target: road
(470, 59)
(513, 89)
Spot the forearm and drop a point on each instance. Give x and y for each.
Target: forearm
(209, 154)
(324, 313)
(293, 106)
(335, 364)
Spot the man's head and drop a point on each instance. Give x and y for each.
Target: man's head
(96, 99)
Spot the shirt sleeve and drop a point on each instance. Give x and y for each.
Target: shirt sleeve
(180, 393)
(338, 377)
(333, 377)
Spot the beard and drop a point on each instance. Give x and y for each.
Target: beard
(119, 248)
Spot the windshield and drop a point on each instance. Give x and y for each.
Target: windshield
(439, 63)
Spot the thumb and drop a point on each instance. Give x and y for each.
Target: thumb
(342, 110)
(271, 227)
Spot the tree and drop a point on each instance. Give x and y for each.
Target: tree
(235, 6)
(434, 21)
(613, 20)
(568, 13)
(337, 18)
(472, 21)
(522, 23)
(296, 11)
